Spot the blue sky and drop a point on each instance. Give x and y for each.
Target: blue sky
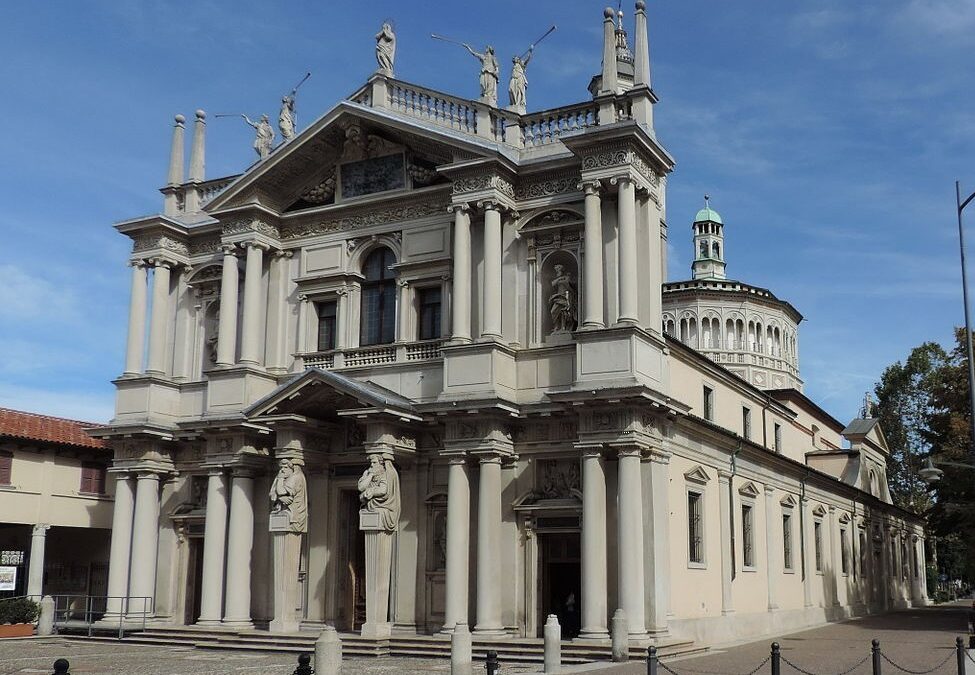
(829, 135)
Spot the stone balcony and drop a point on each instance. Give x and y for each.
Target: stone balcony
(376, 355)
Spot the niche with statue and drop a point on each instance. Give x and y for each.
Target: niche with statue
(560, 296)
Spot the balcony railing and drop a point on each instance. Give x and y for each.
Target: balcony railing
(359, 357)
(547, 126)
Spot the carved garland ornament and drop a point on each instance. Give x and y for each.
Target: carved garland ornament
(153, 241)
(240, 226)
(208, 245)
(547, 188)
(484, 182)
(365, 219)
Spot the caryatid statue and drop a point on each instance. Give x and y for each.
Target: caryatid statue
(379, 491)
(264, 140)
(385, 49)
(289, 494)
(519, 81)
(489, 74)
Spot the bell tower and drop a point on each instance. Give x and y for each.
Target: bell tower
(708, 244)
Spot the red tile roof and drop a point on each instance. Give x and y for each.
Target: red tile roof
(31, 426)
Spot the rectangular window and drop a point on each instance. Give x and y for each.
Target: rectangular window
(327, 314)
(695, 530)
(6, 465)
(708, 403)
(429, 302)
(778, 437)
(787, 541)
(92, 478)
(747, 536)
(863, 552)
(844, 556)
(746, 422)
(818, 543)
(915, 559)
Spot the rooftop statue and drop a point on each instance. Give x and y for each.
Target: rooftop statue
(289, 493)
(489, 74)
(519, 81)
(385, 49)
(286, 118)
(264, 139)
(379, 491)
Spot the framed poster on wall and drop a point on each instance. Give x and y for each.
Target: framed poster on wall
(8, 578)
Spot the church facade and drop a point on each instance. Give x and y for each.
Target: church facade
(420, 365)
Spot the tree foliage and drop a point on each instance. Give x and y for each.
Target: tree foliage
(924, 409)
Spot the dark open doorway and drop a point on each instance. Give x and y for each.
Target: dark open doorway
(352, 565)
(561, 581)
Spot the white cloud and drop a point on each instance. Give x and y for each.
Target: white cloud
(28, 297)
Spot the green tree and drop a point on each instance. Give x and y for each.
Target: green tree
(904, 407)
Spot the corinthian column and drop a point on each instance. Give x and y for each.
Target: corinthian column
(491, 292)
(159, 323)
(488, 547)
(458, 543)
(594, 573)
(461, 292)
(121, 547)
(630, 541)
(227, 321)
(626, 215)
(145, 544)
(35, 566)
(214, 541)
(240, 543)
(251, 335)
(137, 319)
(592, 270)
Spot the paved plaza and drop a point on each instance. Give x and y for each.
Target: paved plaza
(917, 639)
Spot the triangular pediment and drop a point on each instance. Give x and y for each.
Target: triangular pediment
(697, 475)
(381, 153)
(329, 396)
(789, 501)
(748, 490)
(819, 510)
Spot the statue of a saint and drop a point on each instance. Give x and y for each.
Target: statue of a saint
(265, 135)
(379, 491)
(489, 74)
(385, 49)
(286, 118)
(288, 493)
(519, 81)
(562, 302)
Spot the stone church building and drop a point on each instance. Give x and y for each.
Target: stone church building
(420, 364)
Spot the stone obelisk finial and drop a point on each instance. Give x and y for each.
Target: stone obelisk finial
(641, 47)
(175, 176)
(610, 79)
(197, 162)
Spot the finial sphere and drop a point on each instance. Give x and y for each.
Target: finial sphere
(640, 4)
(200, 114)
(609, 13)
(180, 119)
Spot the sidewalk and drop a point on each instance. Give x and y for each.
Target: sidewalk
(917, 639)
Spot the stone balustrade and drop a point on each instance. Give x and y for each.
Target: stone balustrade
(358, 357)
(432, 106)
(547, 126)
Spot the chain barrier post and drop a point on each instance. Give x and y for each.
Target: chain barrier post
(971, 628)
(875, 651)
(960, 652)
(304, 665)
(491, 663)
(651, 660)
(61, 667)
(776, 659)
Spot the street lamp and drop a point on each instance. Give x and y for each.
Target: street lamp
(931, 474)
(968, 326)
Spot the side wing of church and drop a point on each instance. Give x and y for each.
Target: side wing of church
(420, 365)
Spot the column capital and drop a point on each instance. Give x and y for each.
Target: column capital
(628, 449)
(488, 457)
(830, 508)
(254, 243)
(148, 475)
(229, 250)
(621, 179)
(588, 450)
(591, 186)
(457, 458)
(769, 490)
(459, 207)
(724, 476)
(162, 262)
(40, 530)
(660, 456)
(280, 253)
(140, 262)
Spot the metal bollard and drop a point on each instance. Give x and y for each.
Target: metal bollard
(875, 650)
(776, 659)
(61, 667)
(960, 652)
(971, 629)
(651, 660)
(491, 664)
(304, 665)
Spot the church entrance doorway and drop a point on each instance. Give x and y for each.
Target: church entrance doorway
(560, 580)
(194, 580)
(352, 564)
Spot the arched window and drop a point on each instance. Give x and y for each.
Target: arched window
(704, 249)
(716, 250)
(378, 310)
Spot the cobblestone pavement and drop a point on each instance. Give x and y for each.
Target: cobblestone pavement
(107, 658)
(915, 639)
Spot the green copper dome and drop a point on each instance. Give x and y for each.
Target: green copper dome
(708, 214)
